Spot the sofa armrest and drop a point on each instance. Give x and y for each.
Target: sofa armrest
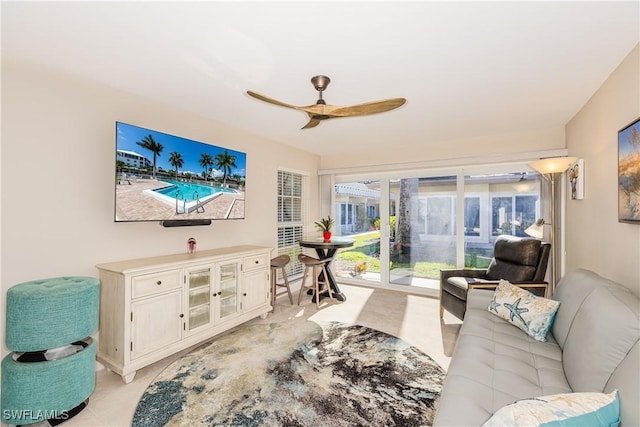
(479, 298)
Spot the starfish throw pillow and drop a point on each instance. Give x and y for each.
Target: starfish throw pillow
(533, 314)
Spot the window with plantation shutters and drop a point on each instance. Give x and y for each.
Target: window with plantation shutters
(291, 196)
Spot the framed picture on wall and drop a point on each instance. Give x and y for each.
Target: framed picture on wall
(629, 173)
(576, 180)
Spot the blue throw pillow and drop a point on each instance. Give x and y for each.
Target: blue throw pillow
(531, 313)
(561, 410)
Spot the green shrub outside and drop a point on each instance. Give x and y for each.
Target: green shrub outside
(367, 249)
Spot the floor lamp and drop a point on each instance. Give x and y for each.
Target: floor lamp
(551, 168)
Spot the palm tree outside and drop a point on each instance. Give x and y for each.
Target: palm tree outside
(225, 162)
(176, 161)
(206, 161)
(156, 148)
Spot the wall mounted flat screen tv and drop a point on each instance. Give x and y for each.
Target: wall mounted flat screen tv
(174, 180)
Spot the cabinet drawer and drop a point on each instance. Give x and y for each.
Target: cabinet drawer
(155, 282)
(255, 262)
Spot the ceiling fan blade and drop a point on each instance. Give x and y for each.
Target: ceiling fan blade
(312, 123)
(367, 108)
(322, 111)
(271, 100)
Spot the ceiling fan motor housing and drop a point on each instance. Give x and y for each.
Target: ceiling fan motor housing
(320, 82)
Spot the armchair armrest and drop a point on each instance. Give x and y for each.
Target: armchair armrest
(476, 273)
(540, 289)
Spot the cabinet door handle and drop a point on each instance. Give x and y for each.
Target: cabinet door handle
(257, 262)
(220, 293)
(244, 295)
(159, 282)
(181, 314)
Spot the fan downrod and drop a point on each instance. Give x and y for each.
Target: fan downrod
(320, 83)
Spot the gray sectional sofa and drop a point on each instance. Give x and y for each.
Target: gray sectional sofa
(593, 345)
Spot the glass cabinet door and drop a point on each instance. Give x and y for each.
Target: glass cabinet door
(228, 285)
(199, 309)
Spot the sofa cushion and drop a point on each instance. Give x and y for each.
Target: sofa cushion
(495, 364)
(533, 314)
(571, 292)
(625, 379)
(605, 328)
(568, 409)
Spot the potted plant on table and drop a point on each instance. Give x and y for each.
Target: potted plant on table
(325, 225)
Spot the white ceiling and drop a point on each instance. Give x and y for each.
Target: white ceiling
(467, 69)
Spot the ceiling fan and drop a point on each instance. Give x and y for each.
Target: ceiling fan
(323, 111)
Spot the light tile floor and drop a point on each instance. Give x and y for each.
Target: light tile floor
(412, 318)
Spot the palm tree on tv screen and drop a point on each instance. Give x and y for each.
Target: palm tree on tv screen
(156, 148)
(206, 162)
(225, 161)
(176, 161)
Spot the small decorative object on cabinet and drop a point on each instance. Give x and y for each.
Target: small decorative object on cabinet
(153, 307)
(191, 245)
(51, 372)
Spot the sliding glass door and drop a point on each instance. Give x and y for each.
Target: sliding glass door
(408, 228)
(357, 213)
(495, 204)
(422, 218)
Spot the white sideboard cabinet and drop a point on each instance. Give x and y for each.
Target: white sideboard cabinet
(153, 307)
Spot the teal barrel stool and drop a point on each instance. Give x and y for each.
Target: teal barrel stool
(51, 370)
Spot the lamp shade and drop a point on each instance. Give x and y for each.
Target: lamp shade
(536, 230)
(553, 164)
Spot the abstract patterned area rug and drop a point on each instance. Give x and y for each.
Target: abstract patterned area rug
(310, 374)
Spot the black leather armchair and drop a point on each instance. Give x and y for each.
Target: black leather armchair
(521, 261)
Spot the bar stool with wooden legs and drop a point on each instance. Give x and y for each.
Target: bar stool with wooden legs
(316, 266)
(279, 263)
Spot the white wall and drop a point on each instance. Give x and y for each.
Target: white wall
(595, 238)
(484, 146)
(57, 177)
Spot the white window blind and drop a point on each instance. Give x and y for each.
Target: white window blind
(291, 196)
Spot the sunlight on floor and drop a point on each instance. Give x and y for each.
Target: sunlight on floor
(346, 313)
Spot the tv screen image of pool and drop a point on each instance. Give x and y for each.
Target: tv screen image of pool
(162, 177)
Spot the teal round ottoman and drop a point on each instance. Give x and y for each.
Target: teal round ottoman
(51, 372)
(50, 313)
(35, 392)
